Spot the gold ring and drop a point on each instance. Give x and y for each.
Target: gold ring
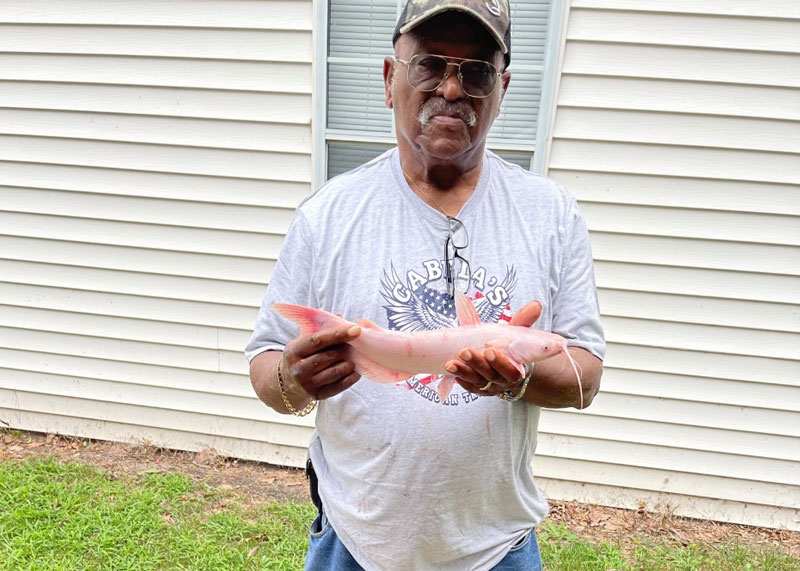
(489, 384)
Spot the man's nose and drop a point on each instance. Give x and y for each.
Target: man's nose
(451, 88)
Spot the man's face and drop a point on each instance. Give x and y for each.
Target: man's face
(445, 123)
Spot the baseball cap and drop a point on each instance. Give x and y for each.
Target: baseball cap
(495, 15)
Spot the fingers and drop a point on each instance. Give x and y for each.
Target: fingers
(506, 367)
(527, 315)
(475, 369)
(319, 363)
(342, 384)
(325, 375)
(306, 345)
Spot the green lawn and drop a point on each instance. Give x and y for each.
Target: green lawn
(563, 550)
(71, 517)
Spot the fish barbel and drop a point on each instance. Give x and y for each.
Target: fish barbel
(386, 356)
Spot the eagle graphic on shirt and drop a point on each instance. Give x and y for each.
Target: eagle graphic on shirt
(421, 303)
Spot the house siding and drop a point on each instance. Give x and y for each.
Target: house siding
(151, 156)
(678, 128)
(152, 153)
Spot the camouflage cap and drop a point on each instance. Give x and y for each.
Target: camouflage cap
(495, 15)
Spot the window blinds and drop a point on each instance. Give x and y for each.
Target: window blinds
(359, 126)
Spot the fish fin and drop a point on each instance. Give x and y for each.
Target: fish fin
(520, 367)
(309, 319)
(503, 345)
(465, 310)
(367, 324)
(375, 371)
(515, 359)
(445, 386)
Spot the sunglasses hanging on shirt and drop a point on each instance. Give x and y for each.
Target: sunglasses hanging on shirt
(457, 239)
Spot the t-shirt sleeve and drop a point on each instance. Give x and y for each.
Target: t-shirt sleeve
(290, 283)
(576, 312)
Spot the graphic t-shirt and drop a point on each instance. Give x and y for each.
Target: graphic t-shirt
(408, 481)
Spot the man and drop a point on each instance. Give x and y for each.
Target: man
(407, 481)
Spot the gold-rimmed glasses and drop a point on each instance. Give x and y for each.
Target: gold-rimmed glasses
(426, 72)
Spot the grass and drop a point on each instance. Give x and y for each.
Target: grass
(69, 516)
(66, 516)
(563, 550)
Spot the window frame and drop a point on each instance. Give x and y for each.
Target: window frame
(321, 135)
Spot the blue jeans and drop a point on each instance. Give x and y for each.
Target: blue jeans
(327, 553)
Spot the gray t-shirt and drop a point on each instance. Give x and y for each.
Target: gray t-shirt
(408, 482)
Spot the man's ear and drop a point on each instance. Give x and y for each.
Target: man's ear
(505, 79)
(388, 77)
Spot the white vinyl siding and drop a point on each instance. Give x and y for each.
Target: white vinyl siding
(358, 124)
(151, 156)
(152, 153)
(678, 128)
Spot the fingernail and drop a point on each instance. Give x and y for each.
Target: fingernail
(490, 356)
(354, 330)
(466, 355)
(451, 368)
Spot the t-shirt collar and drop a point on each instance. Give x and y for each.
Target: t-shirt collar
(431, 213)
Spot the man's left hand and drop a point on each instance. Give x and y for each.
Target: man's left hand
(489, 371)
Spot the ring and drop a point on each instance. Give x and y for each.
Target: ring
(489, 384)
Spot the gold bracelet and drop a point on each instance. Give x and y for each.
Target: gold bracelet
(510, 396)
(309, 407)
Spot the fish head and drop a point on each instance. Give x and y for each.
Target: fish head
(534, 346)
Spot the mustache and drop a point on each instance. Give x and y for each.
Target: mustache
(440, 106)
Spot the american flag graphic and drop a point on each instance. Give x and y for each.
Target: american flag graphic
(426, 308)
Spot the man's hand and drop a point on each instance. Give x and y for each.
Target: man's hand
(312, 366)
(490, 372)
(318, 363)
(552, 385)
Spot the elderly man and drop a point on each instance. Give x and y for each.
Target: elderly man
(406, 481)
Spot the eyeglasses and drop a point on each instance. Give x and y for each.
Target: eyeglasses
(457, 239)
(427, 72)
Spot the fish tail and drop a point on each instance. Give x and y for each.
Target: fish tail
(309, 319)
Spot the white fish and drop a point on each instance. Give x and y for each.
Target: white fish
(385, 356)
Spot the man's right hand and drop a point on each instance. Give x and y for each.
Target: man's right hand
(312, 366)
(318, 363)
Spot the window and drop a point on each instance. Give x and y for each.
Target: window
(358, 126)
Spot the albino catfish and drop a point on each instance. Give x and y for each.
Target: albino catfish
(386, 356)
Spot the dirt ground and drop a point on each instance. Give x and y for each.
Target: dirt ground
(261, 483)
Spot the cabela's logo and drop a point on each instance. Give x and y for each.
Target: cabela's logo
(419, 304)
